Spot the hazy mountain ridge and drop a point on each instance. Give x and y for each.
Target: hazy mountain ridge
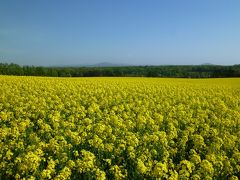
(101, 64)
(108, 64)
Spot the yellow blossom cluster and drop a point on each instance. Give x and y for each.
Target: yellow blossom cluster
(119, 128)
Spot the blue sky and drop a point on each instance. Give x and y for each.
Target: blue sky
(153, 32)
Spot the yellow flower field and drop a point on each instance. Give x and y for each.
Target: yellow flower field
(119, 128)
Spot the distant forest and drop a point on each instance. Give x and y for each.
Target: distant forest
(181, 71)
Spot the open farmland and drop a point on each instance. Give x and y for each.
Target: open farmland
(119, 128)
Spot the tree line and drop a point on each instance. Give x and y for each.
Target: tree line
(181, 71)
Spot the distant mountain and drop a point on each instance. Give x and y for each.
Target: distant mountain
(102, 64)
(107, 64)
(208, 64)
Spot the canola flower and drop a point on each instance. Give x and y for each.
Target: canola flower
(119, 128)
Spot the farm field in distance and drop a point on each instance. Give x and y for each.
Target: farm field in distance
(119, 128)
